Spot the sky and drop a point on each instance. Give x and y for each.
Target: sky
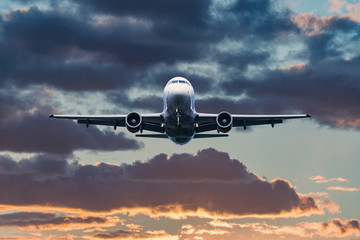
(61, 180)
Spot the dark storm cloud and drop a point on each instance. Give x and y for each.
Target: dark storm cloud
(45, 220)
(74, 51)
(242, 106)
(43, 46)
(150, 103)
(40, 47)
(32, 131)
(327, 44)
(40, 166)
(327, 87)
(219, 167)
(329, 90)
(242, 60)
(9, 102)
(209, 180)
(194, 20)
(186, 13)
(115, 45)
(257, 18)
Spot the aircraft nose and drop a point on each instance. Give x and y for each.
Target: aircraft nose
(178, 97)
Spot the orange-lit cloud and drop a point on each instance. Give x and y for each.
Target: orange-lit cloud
(49, 237)
(354, 11)
(343, 8)
(336, 6)
(321, 179)
(134, 227)
(348, 122)
(128, 234)
(207, 184)
(346, 189)
(324, 201)
(269, 229)
(309, 230)
(48, 90)
(188, 229)
(297, 67)
(333, 228)
(340, 228)
(219, 223)
(310, 24)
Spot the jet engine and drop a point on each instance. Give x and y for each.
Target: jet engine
(133, 122)
(224, 122)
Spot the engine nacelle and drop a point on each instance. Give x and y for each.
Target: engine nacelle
(224, 122)
(133, 122)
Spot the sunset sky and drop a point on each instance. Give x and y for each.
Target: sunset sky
(299, 180)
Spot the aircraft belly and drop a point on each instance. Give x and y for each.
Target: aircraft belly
(179, 116)
(186, 128)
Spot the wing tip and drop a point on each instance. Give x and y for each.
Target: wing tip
(51, 115)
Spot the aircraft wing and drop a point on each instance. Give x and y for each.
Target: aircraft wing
(207, 122)
(151, 122)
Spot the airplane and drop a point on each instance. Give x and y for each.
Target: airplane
(179, 120)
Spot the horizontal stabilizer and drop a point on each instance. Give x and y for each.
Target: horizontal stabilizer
(196, 135)
(152, 135)
(210, 135)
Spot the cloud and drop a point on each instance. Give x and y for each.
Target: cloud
(340, 228)
(323, 200)
(125, 44)
(209, 182)
(336, 6)
(335, 228)
(13, 101)
(40, 167)
(128, 234)
(354, 11)
(341, 6)
(281, 231)
(221, 224)
(321, 179)
(96, 58)
(253, 16)
(49, 237)
(346, 189)
(188, 229)
(315, 89)
(46, 221)
(32, 131)
(312, 25)
(197, 13)
(121, 42)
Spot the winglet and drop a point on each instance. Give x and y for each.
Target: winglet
(308, 115)
(51, 116)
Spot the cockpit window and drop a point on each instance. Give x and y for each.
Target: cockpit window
(179, 81)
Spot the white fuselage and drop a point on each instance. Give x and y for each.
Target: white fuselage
(179, 110)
